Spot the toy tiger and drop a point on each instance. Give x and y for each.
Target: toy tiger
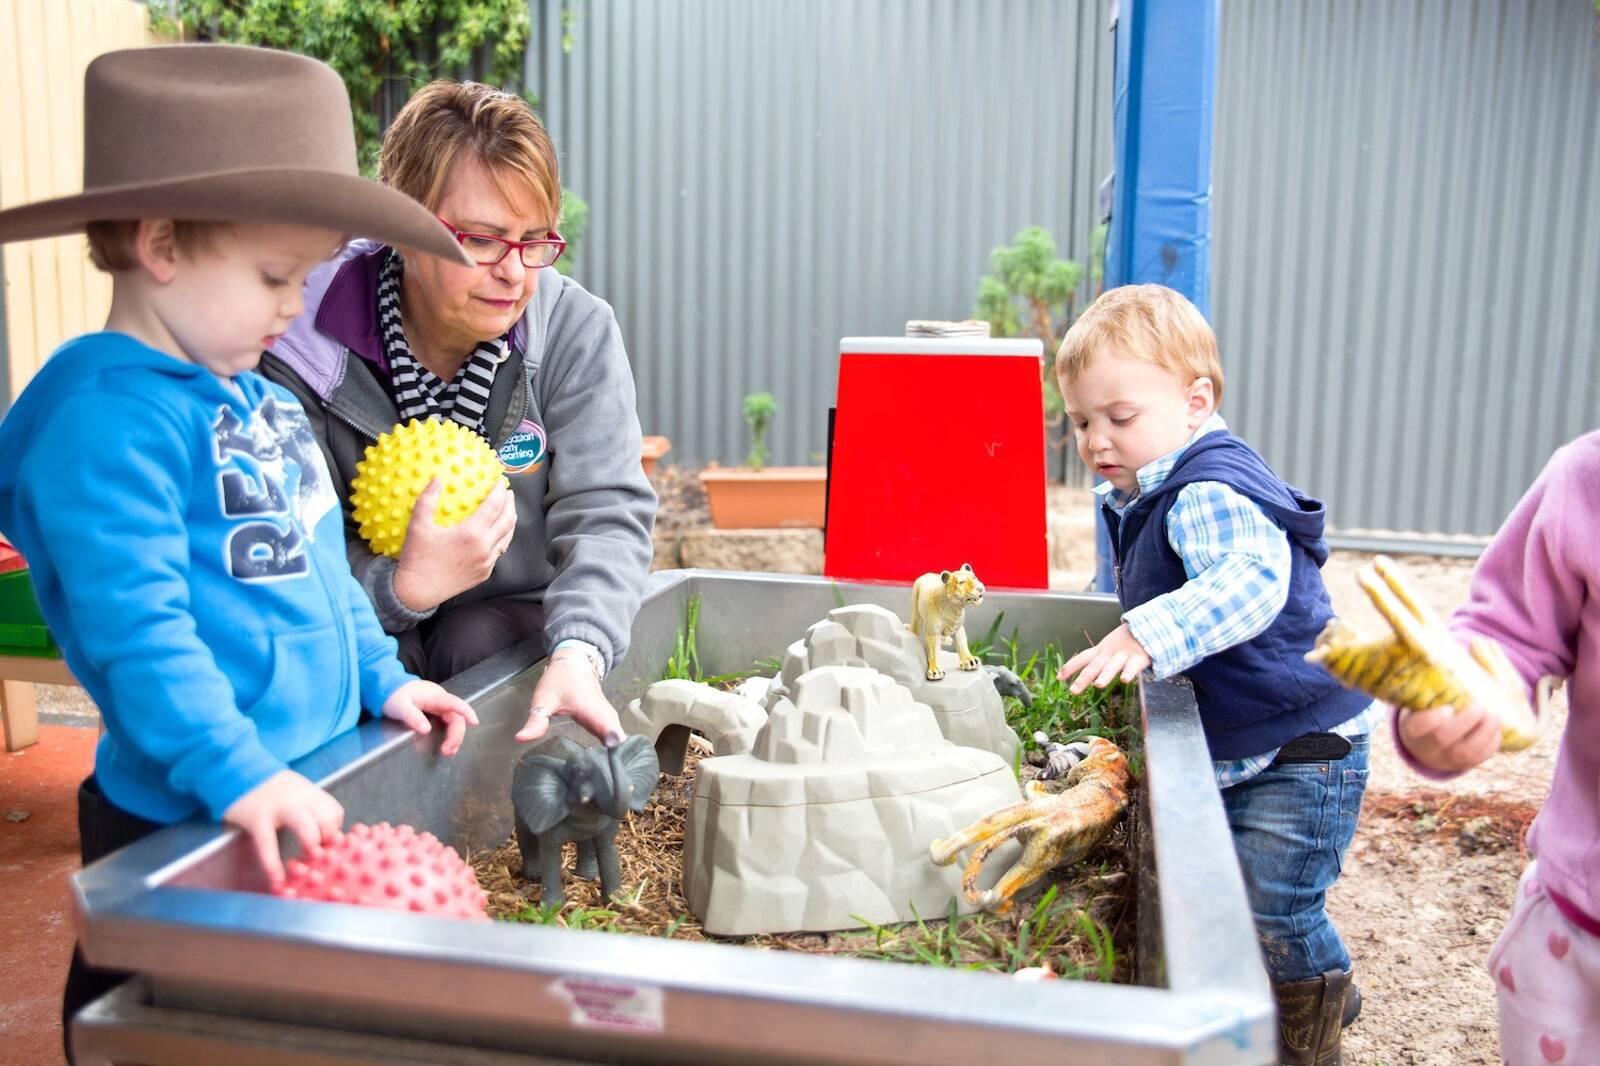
(938, 602)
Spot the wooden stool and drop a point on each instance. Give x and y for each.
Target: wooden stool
(18, 675)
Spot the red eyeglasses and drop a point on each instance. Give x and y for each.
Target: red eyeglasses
(487, 249)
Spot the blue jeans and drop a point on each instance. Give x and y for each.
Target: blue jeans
(1291, 825)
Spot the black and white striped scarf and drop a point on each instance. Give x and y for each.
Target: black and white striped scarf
(418, 391)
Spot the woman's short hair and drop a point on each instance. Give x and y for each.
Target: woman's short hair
(1151, 323)
(446, 118)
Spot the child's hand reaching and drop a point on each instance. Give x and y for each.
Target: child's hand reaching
(288, 800)
(1450, 741)
(413, 701)
(1117, 656)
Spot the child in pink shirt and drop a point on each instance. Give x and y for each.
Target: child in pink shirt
(1536, 591)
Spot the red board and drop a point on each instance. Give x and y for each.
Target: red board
(938, 460)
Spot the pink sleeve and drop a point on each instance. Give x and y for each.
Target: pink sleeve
(1526, 592)
(1526, 595)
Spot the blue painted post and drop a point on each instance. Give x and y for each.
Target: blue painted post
(1165, 77)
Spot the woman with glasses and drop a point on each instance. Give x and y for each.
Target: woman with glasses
(515, 352)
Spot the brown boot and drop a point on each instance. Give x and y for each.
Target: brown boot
(1309, 1017)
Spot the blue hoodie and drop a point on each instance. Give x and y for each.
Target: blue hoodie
(188, 554)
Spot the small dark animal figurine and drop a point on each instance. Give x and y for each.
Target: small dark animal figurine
(562, 792)
(1007, 683)
(1058, 759)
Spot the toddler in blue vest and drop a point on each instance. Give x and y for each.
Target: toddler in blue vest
(1217, 568)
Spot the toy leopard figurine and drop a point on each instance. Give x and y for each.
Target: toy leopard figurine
(938, 602)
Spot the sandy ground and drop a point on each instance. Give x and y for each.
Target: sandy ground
(1421, 900)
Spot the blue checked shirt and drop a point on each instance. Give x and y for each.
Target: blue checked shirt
(1237, 563)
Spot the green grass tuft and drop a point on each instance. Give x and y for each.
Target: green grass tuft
(684, 662)
(1056, 932)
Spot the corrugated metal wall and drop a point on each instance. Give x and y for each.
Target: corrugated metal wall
(1407, 253)
(1406, 245)
(765, 178)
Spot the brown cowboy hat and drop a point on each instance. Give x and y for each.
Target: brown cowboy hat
(223, 133)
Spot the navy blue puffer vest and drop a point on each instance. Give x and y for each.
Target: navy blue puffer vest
(1257, 695)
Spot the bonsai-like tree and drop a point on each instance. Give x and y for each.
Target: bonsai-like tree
(759, 408)
(1031, 292)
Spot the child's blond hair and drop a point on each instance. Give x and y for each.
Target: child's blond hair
(1151, 323)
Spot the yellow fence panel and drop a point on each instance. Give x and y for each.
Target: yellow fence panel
(52, 292)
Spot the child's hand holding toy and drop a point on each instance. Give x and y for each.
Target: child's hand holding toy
(1448, 740)
(285, 800)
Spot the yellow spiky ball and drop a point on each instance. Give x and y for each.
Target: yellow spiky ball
(398, 467)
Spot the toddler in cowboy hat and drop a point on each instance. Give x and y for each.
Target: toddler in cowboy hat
(184, 537)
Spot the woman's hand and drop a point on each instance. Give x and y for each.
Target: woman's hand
(439, 562)
(1450, 741)
(570, 686)
(413, 701)
(1120, 655)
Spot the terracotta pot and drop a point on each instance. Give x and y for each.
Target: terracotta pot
(654, 449)
(770, 498)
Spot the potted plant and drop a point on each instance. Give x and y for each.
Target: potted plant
(654, 448)
(758, 496)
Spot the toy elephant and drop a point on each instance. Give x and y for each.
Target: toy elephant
(562, 792)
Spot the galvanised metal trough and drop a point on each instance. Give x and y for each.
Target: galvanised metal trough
(228, 974)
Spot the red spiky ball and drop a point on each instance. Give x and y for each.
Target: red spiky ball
(388, 866)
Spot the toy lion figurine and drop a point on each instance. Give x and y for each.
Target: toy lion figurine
(938, 602)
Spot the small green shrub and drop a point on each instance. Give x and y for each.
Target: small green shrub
(759, 407)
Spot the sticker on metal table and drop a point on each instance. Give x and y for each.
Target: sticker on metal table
(597, 1003)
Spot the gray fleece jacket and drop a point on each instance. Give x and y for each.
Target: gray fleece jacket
(584, 514)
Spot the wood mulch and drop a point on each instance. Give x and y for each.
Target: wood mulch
(651, 901)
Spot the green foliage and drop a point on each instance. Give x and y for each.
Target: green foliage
(574, 224)
(1040, 937)
(569, 916)
(1097, 254)
(983, 648)
(1031, 292)
(1062, 716)
(759, 407)
(367, 41)
(373, 43)
(684, 662)
(600, 919)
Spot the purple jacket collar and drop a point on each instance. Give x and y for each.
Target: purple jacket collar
(341, 299)
(349, 311)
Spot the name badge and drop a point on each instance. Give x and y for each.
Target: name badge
(523, 452)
